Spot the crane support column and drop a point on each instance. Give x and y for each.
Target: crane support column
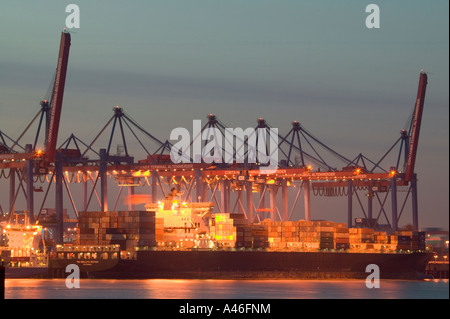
(284, 201)
(30, 186)
(204, 191)
(415, 206)
(350, 204)
(394, 203)
(262, 198)
(200, 185)
(59, 207)
(154, 187)
(225, 195)
(12, 189)
(306, 188)
(130, 194)
(370, 207)
(273, 189)
(84, 190)
(249, 190)
(103, 181)
(240, 198)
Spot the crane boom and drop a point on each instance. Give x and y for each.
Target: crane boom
(415, 130)
(57, 97)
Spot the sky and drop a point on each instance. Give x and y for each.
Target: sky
(167, 63)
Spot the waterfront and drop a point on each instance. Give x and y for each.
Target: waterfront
(225, 289)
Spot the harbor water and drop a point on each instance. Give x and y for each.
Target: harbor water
(225, 289)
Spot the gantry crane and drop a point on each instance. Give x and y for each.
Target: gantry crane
(33, 161)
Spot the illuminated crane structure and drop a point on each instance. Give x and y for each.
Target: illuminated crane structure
(306, 166)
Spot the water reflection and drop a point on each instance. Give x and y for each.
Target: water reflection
(224, 289)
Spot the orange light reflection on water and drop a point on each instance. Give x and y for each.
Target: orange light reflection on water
(224, 289)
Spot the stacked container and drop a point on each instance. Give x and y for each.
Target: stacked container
(260, 235)
(125, 228)
(230, 230)
(274, 234)
(308, 235)
(361, 238)
(325, 230)
(408, 239)
(341, 236)
(243, 231)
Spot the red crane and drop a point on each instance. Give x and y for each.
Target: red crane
(57, 97)
(415, 130)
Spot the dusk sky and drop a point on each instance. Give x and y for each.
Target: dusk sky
(170, 62)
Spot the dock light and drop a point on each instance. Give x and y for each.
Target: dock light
(309, 167)
(358, 171)
(392, 173)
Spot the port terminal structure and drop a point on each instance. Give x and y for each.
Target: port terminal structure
(372, 190)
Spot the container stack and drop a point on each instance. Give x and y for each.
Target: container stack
(308, 235)
(301, 234)
(221, 229)
(403, 242)
(317, 234)
(128, 229)
(281, 235)
(381, 237)
(260, 235)
(383, 242)
(290, 233)
(408, 239)
(230, 230)
(243, 236)
(418, 241)
(393, 241)
(326, 232)
(341, 236)
(361, 238)
(274, 234)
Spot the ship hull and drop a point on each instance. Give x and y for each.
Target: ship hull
(26, 272)
(265, 265)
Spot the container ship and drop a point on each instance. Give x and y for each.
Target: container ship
(178, 240)
(22, 254)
